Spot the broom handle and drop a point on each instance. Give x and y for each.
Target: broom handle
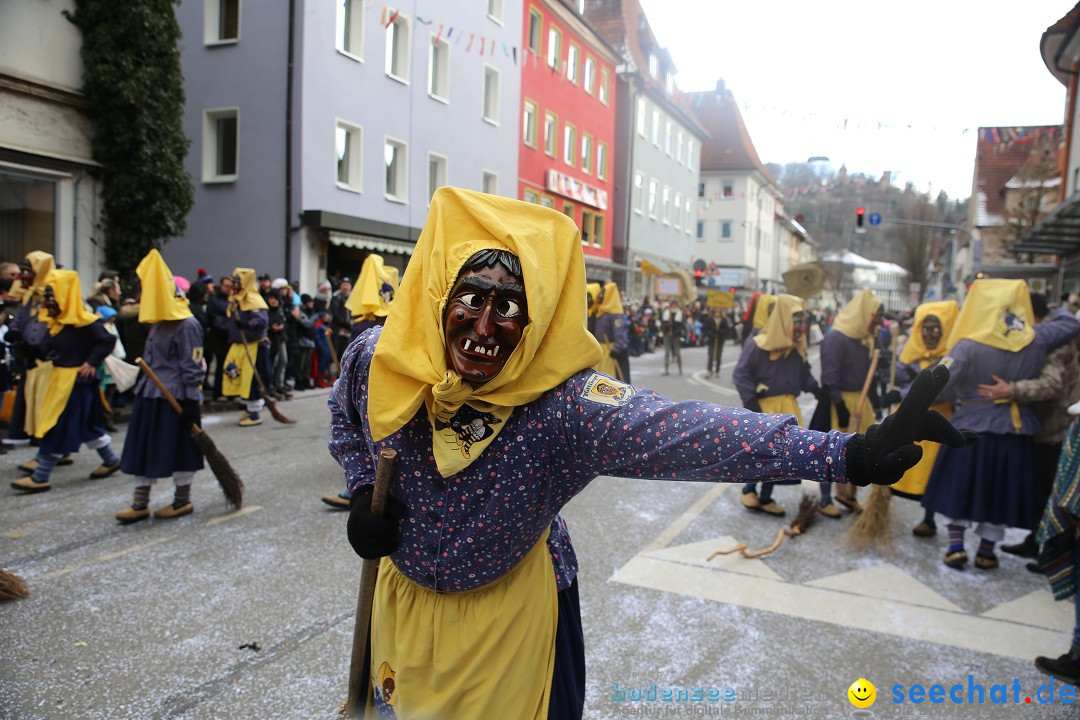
(856, 417)
(359, 676)
(330, 341)
(160, 385)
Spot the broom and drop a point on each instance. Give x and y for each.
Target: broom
(230, 482)
(12, 587)
(270, 405)
(845, 493)
(807, 512)
(335, 368)
(359, 670)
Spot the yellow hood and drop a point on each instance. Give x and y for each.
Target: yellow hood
(914, 349)
(366, 300)
(410, 366)
(42, 263)
(248, 298)
(161, 300)
(612, 304)
(854, 319)
(762, 307)
(68, 293)
(996, 313)
(777, 336)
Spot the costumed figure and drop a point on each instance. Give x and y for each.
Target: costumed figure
(159, 443)
(249, 348)
(673, 325)
(925, 347)
(482, 382)
(610, 330)
(771, 373)
(715, 329)
(845, 363)
(757, 312)
(369, 301)
(992, 486)
(68, 412)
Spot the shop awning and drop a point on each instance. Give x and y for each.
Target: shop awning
(1057, 234)
(370, 242)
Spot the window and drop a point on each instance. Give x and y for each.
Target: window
(592, 228)
(642, 115)
(569, 143)
(669, 83)
(652, 198)
(654, 66)
(680, 142)
(656, 127)
(436, 173)
(605, 82)
(536, 30)
(700, 230)
(689, 216)
(568, 210)
(491, 95)
(581, 7)
(586, 154)
(728, 188)
(350, 27)
(588, 75)
(639, 187)
(690, 154)
(551, 128)
(573, 56)
(221, 156)
(678, 211)
(397, 49)
(554, 50)
(397, 168)
(547, 202)
(30, 214)
(667, 138)
(530, 196)
(601, 161)
(439, 69)
(221, 21)
(701, 189)
(348, 145)
(528, 124)
(495, 10)
(665, 206)
(489, 183)
(725, 229)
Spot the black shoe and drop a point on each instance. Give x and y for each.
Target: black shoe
(1028, 548)
(1033, 567)
(1065, 668)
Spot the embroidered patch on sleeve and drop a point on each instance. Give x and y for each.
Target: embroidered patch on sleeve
(197, 354)
(602, 389)
(947, 361)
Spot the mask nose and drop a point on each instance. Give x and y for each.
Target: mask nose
(485, 320)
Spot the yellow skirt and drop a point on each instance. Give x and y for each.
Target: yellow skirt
(781, 405)
(608, 364)
(915, 479)
(476, 655)
(47, 391)
(851, 399)
(240, 386)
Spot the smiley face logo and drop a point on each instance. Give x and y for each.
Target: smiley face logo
(862, 693)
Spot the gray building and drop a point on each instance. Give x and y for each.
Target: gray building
(319, 136)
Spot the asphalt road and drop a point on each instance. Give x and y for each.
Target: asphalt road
(250, 614)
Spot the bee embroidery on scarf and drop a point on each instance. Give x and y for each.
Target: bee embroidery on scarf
(1013, 322)
(470, 426)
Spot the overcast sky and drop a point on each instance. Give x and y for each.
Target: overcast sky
(908, 78)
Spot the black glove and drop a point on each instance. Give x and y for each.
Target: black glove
(843, 417)
(189, 412)
(822, 395)
(752, 404)
(373, 537)
(888, 450)
(890, 398)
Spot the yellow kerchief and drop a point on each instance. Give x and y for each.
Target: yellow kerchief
(914, 349)
(996, 313)
(612, 304)
(248, 298)
(594, 292)
(776, 336)
(42, 264)
(161, 300)
(68, 293)
(761, 309)
(410, 365)
(854, 320)
(366, 300)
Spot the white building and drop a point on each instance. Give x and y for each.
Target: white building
(849, 273)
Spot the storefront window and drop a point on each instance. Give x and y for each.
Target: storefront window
(27, 216)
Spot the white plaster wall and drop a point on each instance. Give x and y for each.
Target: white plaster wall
(38, 43)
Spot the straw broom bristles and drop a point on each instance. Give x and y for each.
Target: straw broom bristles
(12, 587)
(872, 527)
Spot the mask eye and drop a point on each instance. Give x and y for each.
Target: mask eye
(508, 308)
(470, 299)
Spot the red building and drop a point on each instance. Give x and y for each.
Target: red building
(568, 123)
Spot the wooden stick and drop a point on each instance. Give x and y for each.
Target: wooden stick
(359, 675)
(270, 405)
(856, 417)
(333, 352)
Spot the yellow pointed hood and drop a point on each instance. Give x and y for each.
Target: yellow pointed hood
(366, 300)
(43, 264)
(411, 368)
(161, 299)
(594, 293)
(777, 336)
(946, 311)
(996, 313)
(854, 320)
(67, 290)
(249, 297)
(612, 304)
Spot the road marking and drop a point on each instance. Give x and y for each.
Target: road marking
(233, 515)
(106, 557)
(672, 531)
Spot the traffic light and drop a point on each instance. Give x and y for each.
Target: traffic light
(699, 277)
(860, 213)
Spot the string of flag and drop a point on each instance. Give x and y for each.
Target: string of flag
(483, 44)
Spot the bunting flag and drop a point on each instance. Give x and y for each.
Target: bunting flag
(469, 46)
